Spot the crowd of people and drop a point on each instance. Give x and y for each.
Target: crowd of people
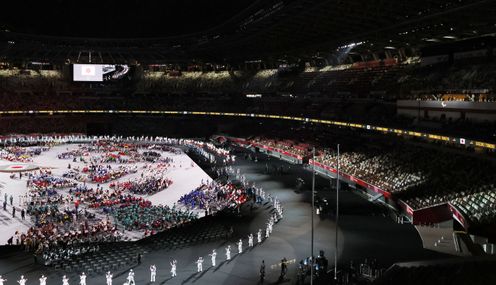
(70, 250)
(107, 201)
(209, 151)
(230, 251)
(99, 173)
(145, 216)
(153, 177)
(45, 183)
(56, 240)
(147, 185)
(213, 197)
(21, 154)
(74, 210)
(294, 148)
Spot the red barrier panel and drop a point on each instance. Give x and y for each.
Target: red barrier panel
(406, 208)
(432, 215)
(458, 216)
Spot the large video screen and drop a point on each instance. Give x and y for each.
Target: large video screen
(112, 72)
(88, 72)
(100, 72)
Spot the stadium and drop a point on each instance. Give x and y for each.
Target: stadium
(248, 142)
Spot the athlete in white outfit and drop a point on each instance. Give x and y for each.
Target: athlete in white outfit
(259, 236)
(240, 246)
(130, 277)
(250, 240)
(173, 268)
(213, 255)
(228, 252)
(22, 281)
(43, 280)
(108, 276)
(65, 280)
(82, 279)
(153, 272)
(199, 264)
(2, 280)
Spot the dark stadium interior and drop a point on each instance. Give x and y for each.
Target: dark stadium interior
(353, 140)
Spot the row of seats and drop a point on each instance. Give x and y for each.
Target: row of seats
(385, 171)
(461, 272)
(110, 256)
(479, 207)
(204, 230)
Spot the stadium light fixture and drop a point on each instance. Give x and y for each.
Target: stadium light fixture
(351, 45)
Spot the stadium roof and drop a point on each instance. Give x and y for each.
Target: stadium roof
(271, 28)
(116, 18)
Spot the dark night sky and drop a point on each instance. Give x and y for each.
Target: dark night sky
(117, 19)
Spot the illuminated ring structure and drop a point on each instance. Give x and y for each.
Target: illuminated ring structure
(446, 139)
